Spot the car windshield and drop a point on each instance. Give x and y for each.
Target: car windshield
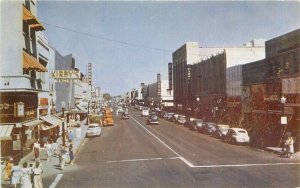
(153, 117)
(210, 125)
(93, 126)
(241, 131)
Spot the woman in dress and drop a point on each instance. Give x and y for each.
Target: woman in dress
(26, 176)
(8, 169)
(16, 175)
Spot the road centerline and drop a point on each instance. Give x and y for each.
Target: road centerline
(162, 142)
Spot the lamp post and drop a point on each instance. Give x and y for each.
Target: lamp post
(88, 111)
(198, 106)
(283, 119)
(63, 105)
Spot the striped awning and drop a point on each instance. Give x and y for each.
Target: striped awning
(30, 62)
(53, 120)
(5, 132)
(33, 123)
(34, 22)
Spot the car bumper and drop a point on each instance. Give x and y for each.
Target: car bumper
(93, 133)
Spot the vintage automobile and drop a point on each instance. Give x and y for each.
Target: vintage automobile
(152, 119)
(94, 129)
(237, 135)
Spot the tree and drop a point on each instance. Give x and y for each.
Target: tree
(106, 96)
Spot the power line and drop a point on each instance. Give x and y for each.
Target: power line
(107, 39)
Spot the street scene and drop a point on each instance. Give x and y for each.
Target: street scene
(149, 94)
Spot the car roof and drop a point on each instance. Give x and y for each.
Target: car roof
(222, 125)
(238, 129)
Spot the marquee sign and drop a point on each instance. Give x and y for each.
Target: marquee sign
(66, 76)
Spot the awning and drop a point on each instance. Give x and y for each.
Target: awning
(45, 127)
(53, 120)
(5, 132)
(81, 108)
(27, 16)
(33, 123)
(30, 62)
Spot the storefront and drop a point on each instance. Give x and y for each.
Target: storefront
(17, 109)
(51, 128)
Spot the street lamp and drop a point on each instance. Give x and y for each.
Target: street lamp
(87, 116)
(63, 105)
(198, 107)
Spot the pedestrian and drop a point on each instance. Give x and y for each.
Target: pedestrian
(26, 176)
(290, 149)
(16, 175)
(71, 136)
(8, 169)
(37, 174)
(36, 149)
(48, 147)
(54, 148)
(71, 153)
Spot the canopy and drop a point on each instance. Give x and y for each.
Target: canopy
(33, 21)
(53, 120)
(33, 123)
(30, 62)
(5, 132)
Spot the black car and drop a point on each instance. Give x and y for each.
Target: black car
(152, 119)
(209, 128)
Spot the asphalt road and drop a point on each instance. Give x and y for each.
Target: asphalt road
(133, 154)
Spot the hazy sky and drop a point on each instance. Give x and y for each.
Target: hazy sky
(130, 42)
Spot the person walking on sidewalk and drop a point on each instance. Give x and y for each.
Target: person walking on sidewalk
(8, 169)
(71, 153)
(26, 176)
(36, 149)
(16, 175)
(37, 175)
(290, 150)
(71, 136)
(48, 147)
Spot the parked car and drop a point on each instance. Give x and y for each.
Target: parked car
(145, 112)
(94, 129)
(221, 131)
(189, 122)
(181, 119)
(152, 119)
(237, 135)
(169, 116)
(197, 124)
(174, 117)
(209, 128)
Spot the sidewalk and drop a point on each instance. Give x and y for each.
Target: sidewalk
(52, 166)
(278, 150)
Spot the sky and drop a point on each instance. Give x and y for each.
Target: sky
(129, 42)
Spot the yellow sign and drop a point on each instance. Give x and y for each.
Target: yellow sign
(66, 74)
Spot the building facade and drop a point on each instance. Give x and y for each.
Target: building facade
(22, 88)
(265, 83)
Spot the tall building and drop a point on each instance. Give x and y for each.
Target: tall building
(24, 92)
(219, 76)
(183, 58)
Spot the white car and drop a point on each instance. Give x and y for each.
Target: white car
(145, 112)
(237, 135)
(94, 129)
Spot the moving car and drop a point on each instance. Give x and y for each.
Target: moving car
(152, 119)
(124, 115)
(209, 128)
(237, 135)
(94, 129)
(145, 112)
(221, 131)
